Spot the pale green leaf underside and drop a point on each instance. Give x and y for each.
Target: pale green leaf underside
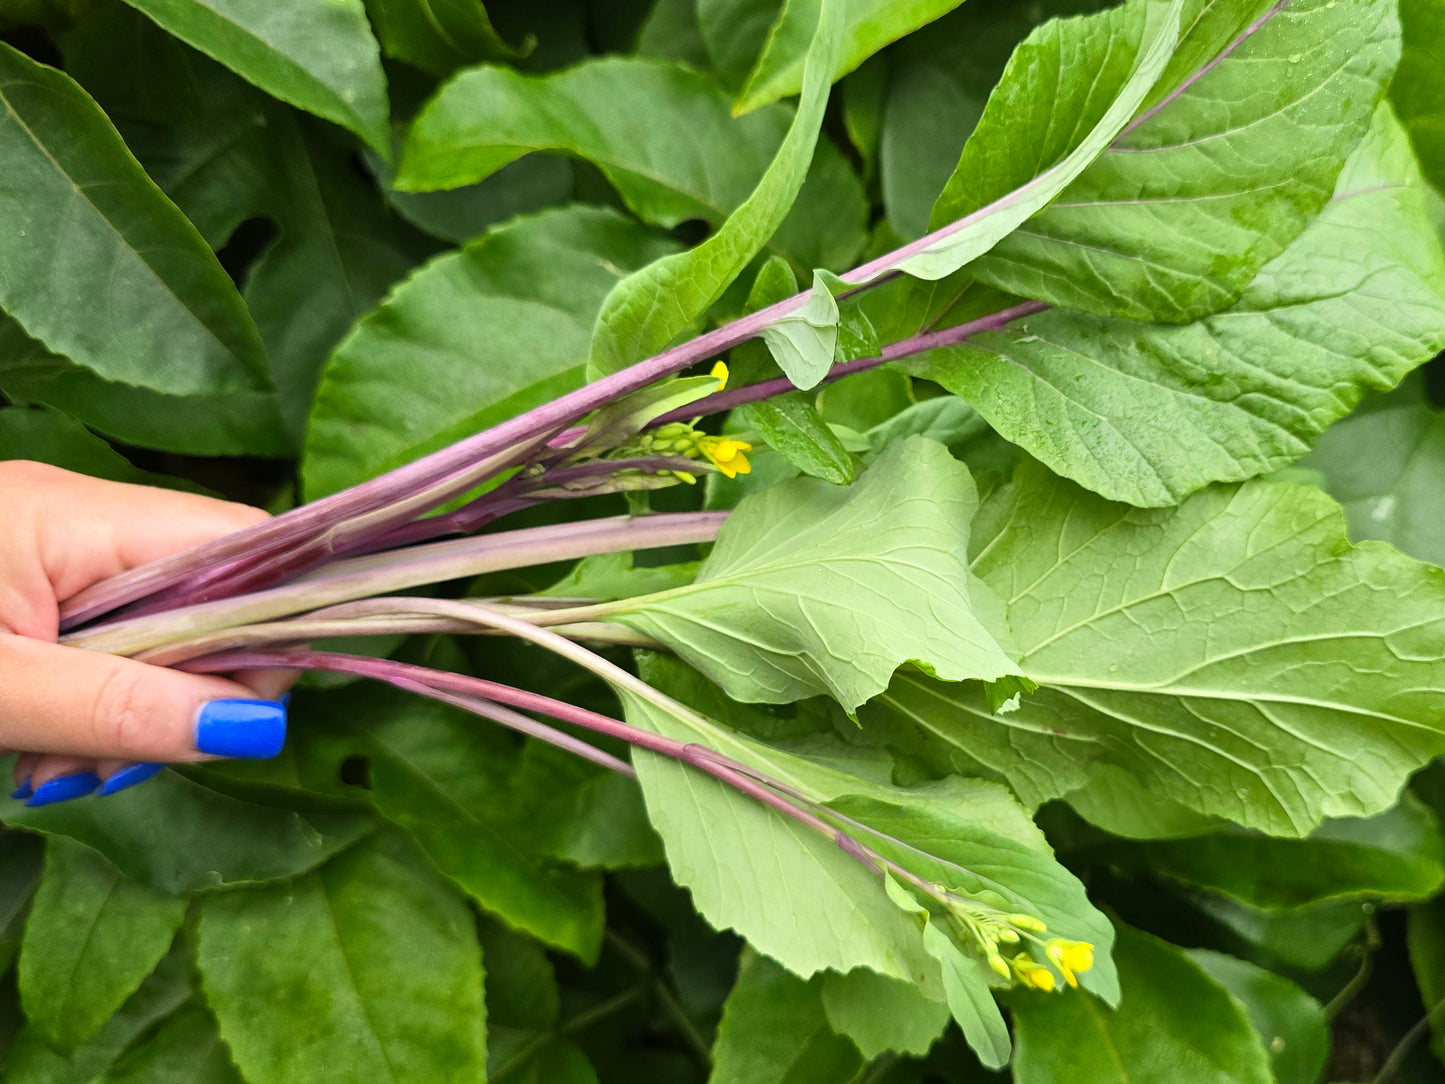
(318, 55)
(471, 339)
(1241, 148)
(815, 588)
(96, 263)
(1234, 653)
(1148, 413)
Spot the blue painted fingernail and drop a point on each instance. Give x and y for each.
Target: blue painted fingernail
(65, 787)
(24, 790)
(254, 729)
(129, 776)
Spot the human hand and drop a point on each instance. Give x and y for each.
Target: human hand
(85, 721)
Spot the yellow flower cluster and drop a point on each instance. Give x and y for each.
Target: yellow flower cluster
(991, 929)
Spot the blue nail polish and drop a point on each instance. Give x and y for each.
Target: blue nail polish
(129, 776)
(65, 787)
(254, 729)
(23, 791)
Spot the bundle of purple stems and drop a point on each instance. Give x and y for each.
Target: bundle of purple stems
(254, 599)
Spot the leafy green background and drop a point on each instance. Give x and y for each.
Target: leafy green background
(271, 250)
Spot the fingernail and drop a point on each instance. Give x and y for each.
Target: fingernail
(254, 729)
(24, 790)
(65, 787)
(129, 776)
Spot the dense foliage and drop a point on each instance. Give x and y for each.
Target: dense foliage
(1024, 655)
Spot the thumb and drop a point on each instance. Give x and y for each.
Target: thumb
(59, 699)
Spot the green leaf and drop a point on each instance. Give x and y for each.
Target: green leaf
(1417, 92)
(803, 342)
(623, 114)
(367, 969)
(774, 1031)
(182, 833)
(790, 424)
(1131, 46)
(229, 156)
(318, 55)
(880, 1013)
(1148, 413)
(91, 939)
(32, 1061)
(613, 575)
(800, 899)
(632, 325)
(970, 1001)
(185, 1049)
(1309, 937)
(1385, 463)
(1174, 1023)
(815, 588)
(734, 33)
(98, 264)
(48, 436)
(20, 866)
(1211, 181)
(869, 26)
(1426, 938)
(236, 423)
(1398, 855)
(1234, 653)
(471, 339)
(437, 36)
(1291, 1023)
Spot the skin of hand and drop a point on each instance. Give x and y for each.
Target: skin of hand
(84, 721)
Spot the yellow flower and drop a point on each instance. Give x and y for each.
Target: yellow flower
(1031, 973)
(1069, 957)
(720, 372)
(726, 454)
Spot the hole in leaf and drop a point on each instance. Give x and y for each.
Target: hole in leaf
(355, 771)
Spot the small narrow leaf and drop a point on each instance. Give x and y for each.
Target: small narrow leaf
(91, 939)
(970, 1000)
(790, 424)
(96, 263)
(318, 55)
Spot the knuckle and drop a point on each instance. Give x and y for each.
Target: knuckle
(121, 712)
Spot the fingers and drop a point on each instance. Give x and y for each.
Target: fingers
(63, 532)
(90, 705)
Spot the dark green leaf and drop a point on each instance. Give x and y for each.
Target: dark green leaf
(185, 1049)
(471, 339)
(91, 939)
(790, 424)
(774, 1031)
(20, 866)
(1427, 957)
(1418, 92)
(1291, 1023)
(880, 1013)
(318, 55)
(367, 969)
(97, 263)
(1174, 1023)
(48, 436)
(437, 36)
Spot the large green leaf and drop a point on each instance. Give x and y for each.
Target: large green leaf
(229, 157)
(1398, 855)
(1235, 654)
(800, 899)
(471, 339)
(816, 588)
(437, 36)
(183, 833)
(1248, 130)
(1148, 413)
(1385, 464)
(91, 939)
(880, 1013)
(1418, 92)
(96, 262)
(367, 969)
(869, 26)
(774, 1031)
(1291, 1023)
(632, 325)
(318, 55)
(1174, 1023)
(625, 115)
(185, 1049)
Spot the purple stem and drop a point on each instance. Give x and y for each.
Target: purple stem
(928, 340)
